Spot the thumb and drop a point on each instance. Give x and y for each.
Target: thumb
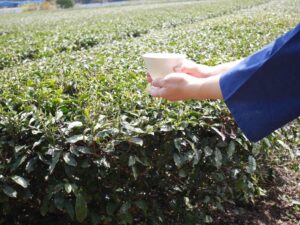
(158, 82)
(186, 67)
(178, 69)
(181, 67)
(156, 91)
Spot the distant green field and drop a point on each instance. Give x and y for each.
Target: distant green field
(45, 34)
(83, 67)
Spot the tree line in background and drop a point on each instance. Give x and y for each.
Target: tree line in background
(53, 4)
(32, 5)
(71, 3)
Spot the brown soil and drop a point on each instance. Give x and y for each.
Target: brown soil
(280, 206)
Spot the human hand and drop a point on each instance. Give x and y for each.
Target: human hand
(174, 87)
(202, 71)
(181, 86)
(149, 78)
(199, 70)
(194, 69)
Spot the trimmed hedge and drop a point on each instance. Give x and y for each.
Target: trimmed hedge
(150, 179)
(82, 142)
(47, 34)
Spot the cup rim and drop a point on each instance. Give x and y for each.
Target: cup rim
(152, 55)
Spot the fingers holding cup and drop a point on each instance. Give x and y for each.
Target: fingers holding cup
(149, 78)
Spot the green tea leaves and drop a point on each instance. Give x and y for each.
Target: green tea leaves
(69, 159)
(21, 181)
(251, 168)
(9, 191)
(218, 158)
(137, 141)
(81, 209)
(75, 124)
(74, 139)
(81, 139)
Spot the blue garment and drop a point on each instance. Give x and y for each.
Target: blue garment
(263, 91)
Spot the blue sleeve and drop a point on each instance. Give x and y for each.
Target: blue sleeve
(263, 91)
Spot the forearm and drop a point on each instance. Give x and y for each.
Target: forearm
(222, 68)
(208, 88)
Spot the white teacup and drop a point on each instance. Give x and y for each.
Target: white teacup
(162, 64)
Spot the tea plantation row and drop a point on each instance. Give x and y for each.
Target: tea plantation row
(81, 140)
(27, 37)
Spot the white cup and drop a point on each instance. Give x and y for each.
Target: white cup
(161, 64)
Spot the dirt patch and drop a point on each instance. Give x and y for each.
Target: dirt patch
(280, 206)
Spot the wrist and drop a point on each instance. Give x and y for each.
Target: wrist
(212, 71)
(222, 68)
(218, 69)
(207, 88)
(206, 71)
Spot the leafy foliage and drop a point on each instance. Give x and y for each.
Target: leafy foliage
(89, 28)
(65, 3)
(80, 139)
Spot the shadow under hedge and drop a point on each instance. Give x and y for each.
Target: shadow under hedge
(172, 177)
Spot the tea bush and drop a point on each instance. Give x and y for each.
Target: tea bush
(88, 28)
(82, 142)
(65, 3)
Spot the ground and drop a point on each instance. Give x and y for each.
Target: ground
(281, 205)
